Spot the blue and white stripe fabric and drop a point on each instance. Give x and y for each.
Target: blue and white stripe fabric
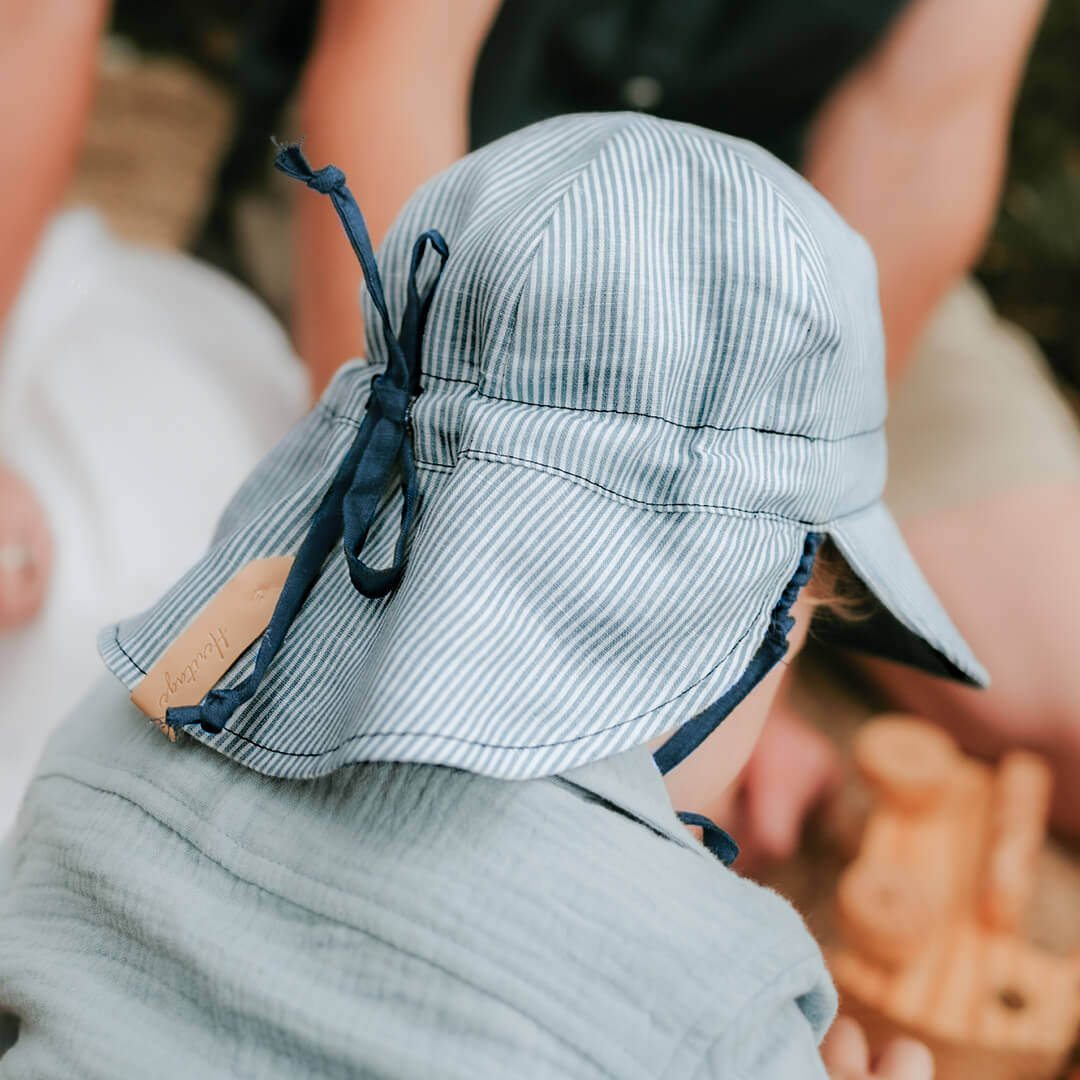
(652, 366)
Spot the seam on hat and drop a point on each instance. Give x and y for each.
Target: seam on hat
(738, 511)
(131, 660)
(309, 754)
(344, 418)
(652, 416)
(510, 459)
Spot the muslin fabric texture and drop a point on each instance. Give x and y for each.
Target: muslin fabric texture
(167, 912)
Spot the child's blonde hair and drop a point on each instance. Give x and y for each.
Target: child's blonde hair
(835, 589)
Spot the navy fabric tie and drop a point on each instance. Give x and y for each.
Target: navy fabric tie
(383, 441)
(713, 837)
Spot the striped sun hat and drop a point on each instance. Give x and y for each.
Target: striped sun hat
(595, 461)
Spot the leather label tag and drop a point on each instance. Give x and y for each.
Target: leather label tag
(214, 640)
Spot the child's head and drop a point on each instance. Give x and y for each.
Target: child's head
(703, 778)
(649, 384)
(676, 323)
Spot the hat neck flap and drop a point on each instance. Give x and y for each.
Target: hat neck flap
(689, 736)
(382, 442)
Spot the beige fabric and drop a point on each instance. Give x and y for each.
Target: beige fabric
(977, 411)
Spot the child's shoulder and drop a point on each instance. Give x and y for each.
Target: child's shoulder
(571, 917)
(743, 965)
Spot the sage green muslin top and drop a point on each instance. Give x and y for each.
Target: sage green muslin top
(165, 912)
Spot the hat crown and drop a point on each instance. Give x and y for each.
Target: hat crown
(622, 264)
(651, 375)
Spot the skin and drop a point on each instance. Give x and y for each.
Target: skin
(911, 148)
(415, 58)
(25, 552)
(706, 781)
(48, 57)
(846, 1055)
(792, 768)
(709, 780)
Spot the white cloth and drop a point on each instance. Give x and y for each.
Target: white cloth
(137, 388)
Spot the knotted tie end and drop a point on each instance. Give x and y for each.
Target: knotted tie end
(291, 161)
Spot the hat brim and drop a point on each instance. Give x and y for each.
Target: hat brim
(541, 623)
(906, 622)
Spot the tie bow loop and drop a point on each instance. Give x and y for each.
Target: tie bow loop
(382, 443)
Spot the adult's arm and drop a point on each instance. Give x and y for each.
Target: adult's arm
(48, 57)
(911, 147)
(385, 98)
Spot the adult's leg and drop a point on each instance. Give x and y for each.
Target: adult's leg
(985, 479)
